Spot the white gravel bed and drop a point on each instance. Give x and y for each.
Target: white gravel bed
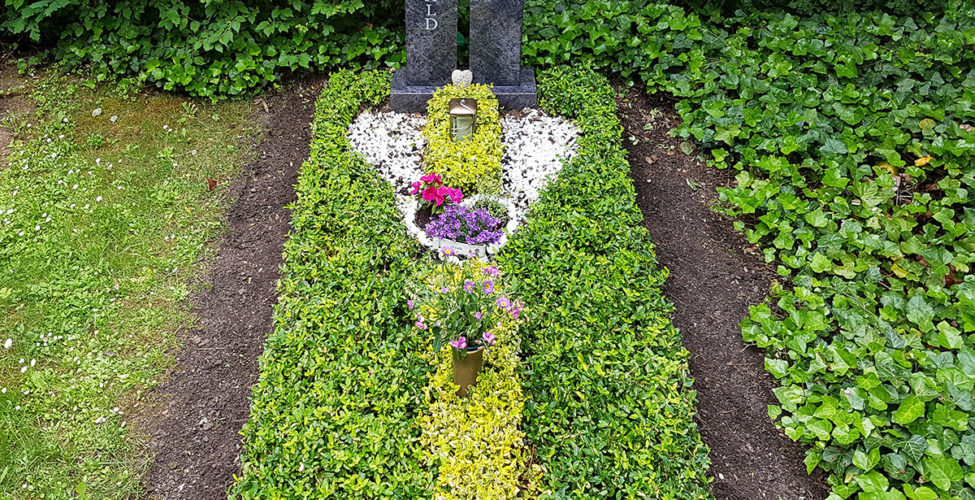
(536, 146)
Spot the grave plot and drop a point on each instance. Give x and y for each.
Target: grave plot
(584, 388)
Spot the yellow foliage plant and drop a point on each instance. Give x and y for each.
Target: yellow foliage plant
(476, 443)
(472, 164)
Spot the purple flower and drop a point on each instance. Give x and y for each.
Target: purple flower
(410, 303)
(492, 271)
(460, 223)
(489, 338)
(459, 344)
(447, 251)
(478, 315)
(420, 325)
(444, 290)
(488, 286)
(503, 302)
(468, 286)
(515, 310)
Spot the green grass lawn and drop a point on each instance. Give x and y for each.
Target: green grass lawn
(104, 225)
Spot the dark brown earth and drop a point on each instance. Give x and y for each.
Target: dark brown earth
(13, 101)
(714, 276)
(200, 408)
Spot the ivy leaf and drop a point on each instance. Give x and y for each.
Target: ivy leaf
(920, 312)
(942, 471)
(914, 447)
(834, 147)
(910, 409)
(820, 263)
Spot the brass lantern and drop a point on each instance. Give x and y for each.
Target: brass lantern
(463, 114)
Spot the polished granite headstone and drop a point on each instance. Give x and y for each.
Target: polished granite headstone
(431, 53)
(495, 50)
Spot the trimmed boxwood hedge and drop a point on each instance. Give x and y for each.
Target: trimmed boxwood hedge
(610, 404)
(341, 382)
(609, 400)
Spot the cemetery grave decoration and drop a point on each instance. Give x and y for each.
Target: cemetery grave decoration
(462, 308)
(505, 164)
(369, 415)
(349, 421)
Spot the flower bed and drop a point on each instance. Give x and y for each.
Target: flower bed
(474, 163)
(535, 147)
(340, 407)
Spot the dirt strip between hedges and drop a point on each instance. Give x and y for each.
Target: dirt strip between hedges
(200, 408)
(714, 276)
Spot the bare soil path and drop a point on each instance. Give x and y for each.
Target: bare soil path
(714, 276)
(194, 429)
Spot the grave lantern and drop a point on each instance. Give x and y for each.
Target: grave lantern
(463, 113)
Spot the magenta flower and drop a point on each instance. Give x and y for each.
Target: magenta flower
(416, 188)
(492, 271)
(490, 338)
(468, 286)
(459, 344)
(478, 315)
(503, 302)
(410, 304)
(433, 178)
(455, 194)
(515, 310)
(488, 286)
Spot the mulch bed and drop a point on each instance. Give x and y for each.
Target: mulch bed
(201, 407)
(714, 276)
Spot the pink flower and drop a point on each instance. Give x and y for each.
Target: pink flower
(431, 178)
(442, 193)
(490, 338)
(456, 195)
(430, 194)
(444, 290)
(416, 188)
(420, 325)
(459, 344)
(492, 271)
(478, 315)
(410, 303)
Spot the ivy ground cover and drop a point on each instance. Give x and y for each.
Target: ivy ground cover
(853, 140)
(608, 403)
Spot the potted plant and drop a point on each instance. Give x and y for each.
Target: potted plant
(460, 310)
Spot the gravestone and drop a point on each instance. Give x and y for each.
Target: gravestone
(496, 51)
(431, 52)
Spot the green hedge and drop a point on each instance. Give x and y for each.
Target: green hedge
(213, 48)
(610, 405)
(341, 383)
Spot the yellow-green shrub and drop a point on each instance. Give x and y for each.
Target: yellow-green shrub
(474, 163)
(476, 443)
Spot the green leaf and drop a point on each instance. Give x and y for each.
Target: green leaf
(942, 471)
(910, 409)
(820, 263)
